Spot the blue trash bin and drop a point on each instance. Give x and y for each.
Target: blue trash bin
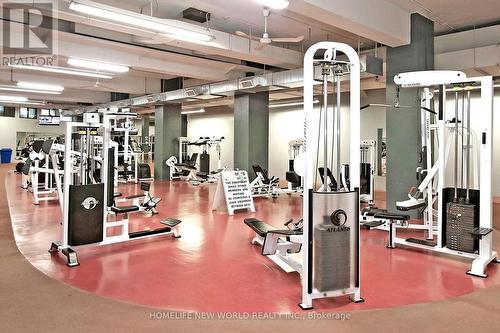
(5, 154)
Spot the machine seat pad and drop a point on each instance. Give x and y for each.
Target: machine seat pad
(392, 216)
(124, 209)
(186, 166)
(170, 222)
(261, 228)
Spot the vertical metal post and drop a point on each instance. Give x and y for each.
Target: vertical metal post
(325, 126)
(455, 196)
(338, 118)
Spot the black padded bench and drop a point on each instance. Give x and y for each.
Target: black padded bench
(124, 209)
(373, 211)
(261, 228)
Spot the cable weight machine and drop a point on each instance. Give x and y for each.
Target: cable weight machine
(331, 262)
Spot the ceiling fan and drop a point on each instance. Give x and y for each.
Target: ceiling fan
(265, 39)
(97, 85)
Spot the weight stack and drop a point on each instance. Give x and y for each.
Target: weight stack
(332, 259)
(205, 163)
(460, 220)
(144, 171)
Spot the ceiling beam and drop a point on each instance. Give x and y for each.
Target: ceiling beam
(380, 20)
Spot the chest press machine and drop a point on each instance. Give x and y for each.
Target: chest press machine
(323, 247)
(88, 203)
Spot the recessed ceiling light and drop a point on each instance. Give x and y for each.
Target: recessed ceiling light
(316, 101)
(19, 89)
(62, 70)
(126, 17)
(97, 66)
(13, 98)
(193, 111)
(40, 86)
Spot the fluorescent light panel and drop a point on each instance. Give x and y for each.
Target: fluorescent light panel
(40, 86)
(62, 70)
(13, 98)
(193, 111)
(138, 20)
(22, 103)
(276, 4)
(97, 66)
(18, 89)
(316, 101)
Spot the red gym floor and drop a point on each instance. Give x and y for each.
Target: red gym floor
(213, 267)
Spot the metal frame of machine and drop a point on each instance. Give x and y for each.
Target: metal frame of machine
(434, 182)
(368, 151)
(91, 121)
(323, 247)
(331, 49)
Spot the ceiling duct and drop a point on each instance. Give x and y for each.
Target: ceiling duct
(270, 81)
(252, 82)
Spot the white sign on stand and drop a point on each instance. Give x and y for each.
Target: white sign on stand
(233, 188)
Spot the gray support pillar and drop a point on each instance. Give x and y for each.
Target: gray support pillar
(184, 129)
(168, 128)
(251, 131)
(403, 125)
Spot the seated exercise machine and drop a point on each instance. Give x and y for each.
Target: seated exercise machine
(295, 148)
(186, 166)
(88, 200)
(128, 167)
(367, 152)
(463, 213)
(324, 247)
(262, 185)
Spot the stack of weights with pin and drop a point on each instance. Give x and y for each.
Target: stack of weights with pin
(461, 214)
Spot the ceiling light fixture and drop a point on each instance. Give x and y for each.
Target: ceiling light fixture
(22, 103)
(62, 70)
(13, 98)
(97, 66)
(40, 86)
(316, 101)
(18, 89)
(193, 111)
(172, 28)
(276, 4)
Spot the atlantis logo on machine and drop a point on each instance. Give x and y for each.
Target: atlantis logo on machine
(339, 218)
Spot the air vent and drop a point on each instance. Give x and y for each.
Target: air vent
(190, 92)
(248, 83)
(196, 15)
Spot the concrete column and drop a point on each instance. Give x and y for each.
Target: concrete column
(168, 128)
(251, 131)
(184, 129)
(403, 125)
